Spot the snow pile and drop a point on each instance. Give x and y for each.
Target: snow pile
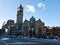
(4, 38)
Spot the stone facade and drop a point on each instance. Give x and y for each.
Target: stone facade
(39, 27)
(33, 27)
(19, 17)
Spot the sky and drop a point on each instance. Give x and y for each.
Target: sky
(46, 10)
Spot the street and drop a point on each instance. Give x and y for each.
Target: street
(23, 41)
(15, 41)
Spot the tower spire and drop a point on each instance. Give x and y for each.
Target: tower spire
(20, 3)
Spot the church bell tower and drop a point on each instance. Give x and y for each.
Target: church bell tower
(19, 17)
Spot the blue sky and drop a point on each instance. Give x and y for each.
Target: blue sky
(48, 11)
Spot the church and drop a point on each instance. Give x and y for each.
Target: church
(26, 28)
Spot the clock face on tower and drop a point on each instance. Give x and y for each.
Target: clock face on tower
(19, 9)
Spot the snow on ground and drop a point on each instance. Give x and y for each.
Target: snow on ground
(4, 38)
(23, 43)
(46, 40)
(38, 40)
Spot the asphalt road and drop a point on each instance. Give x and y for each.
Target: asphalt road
(15, 41)
(22, 41)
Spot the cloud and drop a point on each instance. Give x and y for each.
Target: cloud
(41, 5)
(30, 8)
